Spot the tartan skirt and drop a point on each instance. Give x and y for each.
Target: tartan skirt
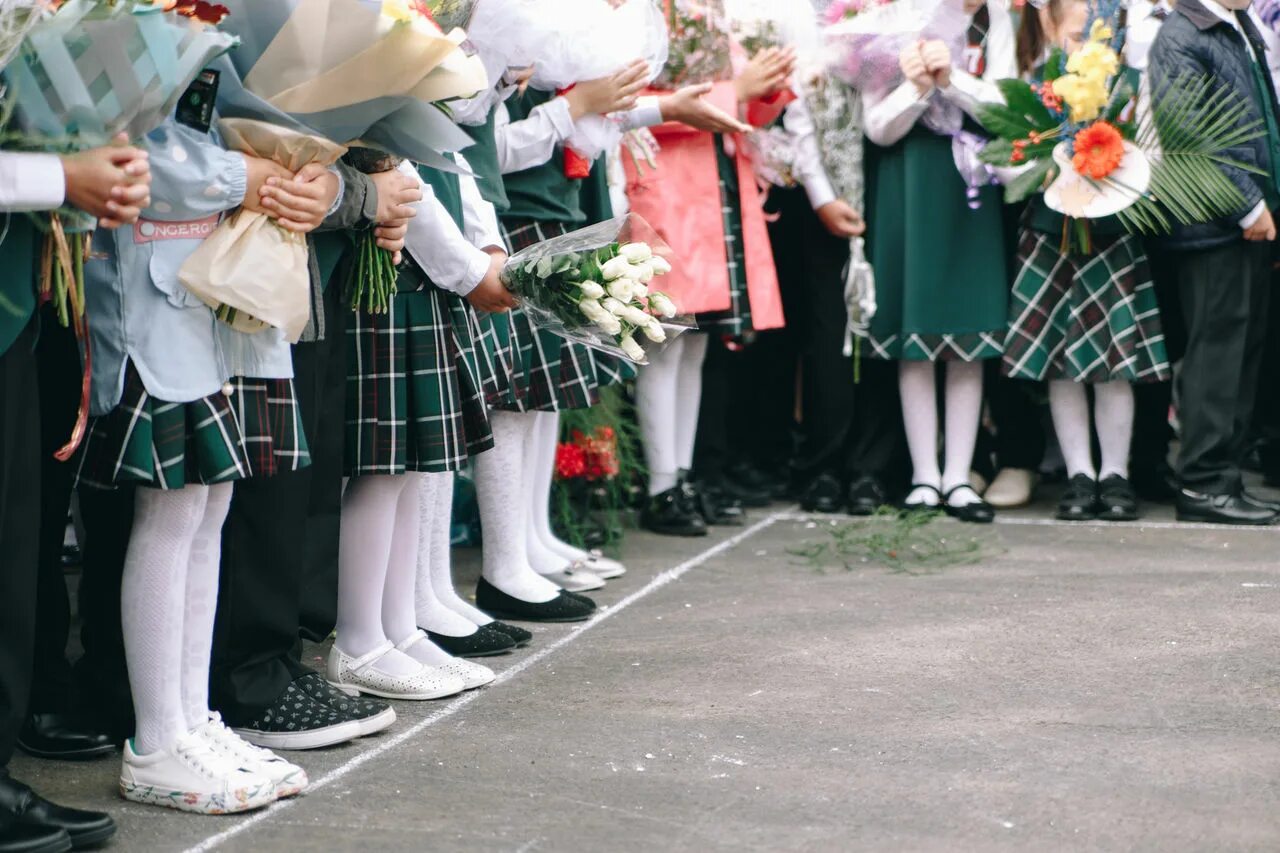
(1089, 318)
(416, 386)
(552, 374)
(256, 431)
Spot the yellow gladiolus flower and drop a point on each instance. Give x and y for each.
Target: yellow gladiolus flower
(1095, 59)
(1085, 95)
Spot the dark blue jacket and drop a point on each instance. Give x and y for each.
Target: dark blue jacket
(1194, 41)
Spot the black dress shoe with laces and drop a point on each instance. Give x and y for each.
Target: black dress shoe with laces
(1222, 509)
(32, 819)
(565, 607)
(823, 494)
(63, 737)
(669, 514)
(1117, 500)
(1080, 500)
(866, 496)
(520, 635)
(485, 642)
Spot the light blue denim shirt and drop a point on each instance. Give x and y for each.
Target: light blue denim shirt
(139, 311)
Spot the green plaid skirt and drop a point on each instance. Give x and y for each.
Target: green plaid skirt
(1090, 318)
(254, 432)
(552, 374)
(500, 347)
(612, 371)
(737, 319)
(416, 380)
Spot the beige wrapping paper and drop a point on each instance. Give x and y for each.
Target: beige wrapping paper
(250, 263)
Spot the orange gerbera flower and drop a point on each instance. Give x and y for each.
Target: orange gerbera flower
(1099, 150)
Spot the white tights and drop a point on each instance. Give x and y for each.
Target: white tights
(169, 597)
(916, 380)
(1113, 415)
(668, 396)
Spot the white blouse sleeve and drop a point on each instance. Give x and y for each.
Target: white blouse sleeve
(890, 117)
(532, 141)
(436, 244)
(479, 219)
(808, 159)
(31, 181)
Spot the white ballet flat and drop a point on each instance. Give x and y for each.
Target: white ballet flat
(360, 675)
(602, 567)
(472, 675)
(574, 578)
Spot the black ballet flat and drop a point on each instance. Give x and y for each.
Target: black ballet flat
(565, 607)
(520, 635)
(979, 512)
(485, 642)
(921, 507)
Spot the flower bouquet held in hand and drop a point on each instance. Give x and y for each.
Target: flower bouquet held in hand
(373, 276)
(598, 287)
(85, 72)
(700, 39)
(1077, 136)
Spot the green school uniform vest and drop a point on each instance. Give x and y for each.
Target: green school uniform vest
(17, 286)
(594, 198)
(542, 193)
(448, 192)
(483, 157)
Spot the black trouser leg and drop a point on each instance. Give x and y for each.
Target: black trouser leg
(319, 600)
(762, 382)
(712, 449)
(58, 363)
(877, 445)
(1225, 295)
(1152, 433)
(19, 530)
(1017, 413)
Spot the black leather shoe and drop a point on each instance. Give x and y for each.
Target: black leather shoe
(63, 737)
(520, 635)
(28, 809)
(565, 607)
(1080, 500)
(1222, 509)
(866, 496)
(977, 512)
(1116, 499)
(757, 479)
(485, 642)
(1259, 501)
(669, 514)
(713, 505)
(744, 490)
(19, 838)
(823, 494)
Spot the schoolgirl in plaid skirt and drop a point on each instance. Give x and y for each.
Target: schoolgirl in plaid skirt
(175, 415)
(1085, 320)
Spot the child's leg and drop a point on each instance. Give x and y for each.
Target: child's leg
(920, 417)
(504, 513)
(656, 393)
(151, 598)
(432, 613)
(688, 401)
(964, 416)
(1113, 408)
(541, 438)
(369, 521)
(1069, 405)
(441, 574)
(201, 605)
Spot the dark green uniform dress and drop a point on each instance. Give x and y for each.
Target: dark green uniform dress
(417, 375)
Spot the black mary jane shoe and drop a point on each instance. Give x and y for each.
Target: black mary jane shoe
(670, 514)
(520, 635)
(920, 506)
(63, 737)
(565, 607)
(24, 809)
(823, 494)
(713, 505)
(1080, 500)
(1117, 501)
(485, 642)
(976, 512)
(866, 496)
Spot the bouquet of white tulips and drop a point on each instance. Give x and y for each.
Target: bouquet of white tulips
(600, 287)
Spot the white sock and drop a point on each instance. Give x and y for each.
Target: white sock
(1113, 411)
(964, 416)
(916, 384)
(369, 520)
(442, 555)
(539, 468)
(549, 438)
(657, 389)
(504, 513)
(689, 396)
(432, 614)
(152, 592)
(1069, 405)
(200, 605)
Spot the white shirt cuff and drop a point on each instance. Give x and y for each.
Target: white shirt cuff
(646, 113)
(1251, 218)
(819, 190)
(31, 181)
(477, 269)
(557, 112)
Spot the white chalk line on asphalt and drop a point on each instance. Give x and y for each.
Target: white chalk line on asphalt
(1022, 521)
(383, 747)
